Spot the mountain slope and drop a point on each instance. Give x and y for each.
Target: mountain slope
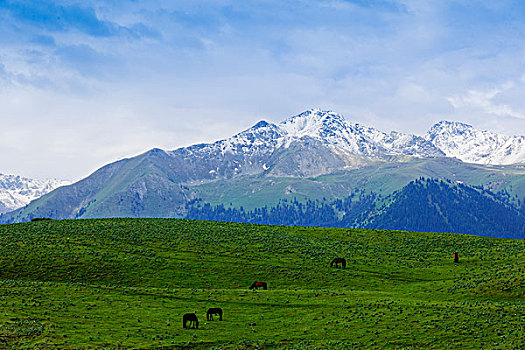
(424, 204)
(437, 205)
(134, 187)
(380, 177)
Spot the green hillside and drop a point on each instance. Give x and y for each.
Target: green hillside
(428, 205)
(383, 178)
(110, 283)
(442, 206)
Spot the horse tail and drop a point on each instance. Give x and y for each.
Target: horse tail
(344, 263)
(183, 322)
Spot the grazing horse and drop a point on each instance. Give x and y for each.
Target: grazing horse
(214, 311)
(192, 319)
(338, 261)
(456, 257)
(257, 285)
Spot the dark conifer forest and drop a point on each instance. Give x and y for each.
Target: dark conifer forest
(429, 205)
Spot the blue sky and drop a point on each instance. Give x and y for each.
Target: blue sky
(83, 83)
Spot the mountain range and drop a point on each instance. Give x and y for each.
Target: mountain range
(314, 156)
(17, 191)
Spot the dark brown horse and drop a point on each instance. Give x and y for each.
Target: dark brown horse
(214, 311)
(257, 285)
(192, 319)
(338, 261)
(456, 257)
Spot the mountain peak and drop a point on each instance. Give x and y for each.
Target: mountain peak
(450, 126)
(316, 114)
(471, 145)
(260, 124)
(311, 122)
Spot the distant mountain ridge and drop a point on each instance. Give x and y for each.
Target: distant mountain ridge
(333, 143)
(464, 142)
(17, 191)
(334, 130)
(312, 143)
(314, 154)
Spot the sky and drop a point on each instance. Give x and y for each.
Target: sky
(85, 83)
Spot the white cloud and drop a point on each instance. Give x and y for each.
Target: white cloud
(484, 102)
(176, 73)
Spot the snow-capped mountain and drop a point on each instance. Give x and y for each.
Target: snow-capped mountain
(17, 191)
(334, 130)
(326, 138)
(317, 142)
(470, 145)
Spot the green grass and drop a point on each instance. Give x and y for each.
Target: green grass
(127, 282)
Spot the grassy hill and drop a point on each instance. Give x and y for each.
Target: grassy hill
(127, 282)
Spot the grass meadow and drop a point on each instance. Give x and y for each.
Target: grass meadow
(125, 283)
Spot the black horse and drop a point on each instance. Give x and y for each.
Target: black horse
(192, 319)
(214, 311)
(338, 261)
(257, 285)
